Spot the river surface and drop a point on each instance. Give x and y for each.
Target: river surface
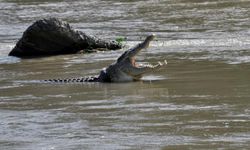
(201, 100)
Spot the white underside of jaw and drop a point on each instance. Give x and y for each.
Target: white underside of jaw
(125, 77)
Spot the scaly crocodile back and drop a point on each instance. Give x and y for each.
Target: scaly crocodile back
(74, 80)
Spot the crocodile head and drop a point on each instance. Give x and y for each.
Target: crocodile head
(126, 69)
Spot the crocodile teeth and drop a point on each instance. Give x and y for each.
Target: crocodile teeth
(149, 65)
(165, 61)
(153, 66)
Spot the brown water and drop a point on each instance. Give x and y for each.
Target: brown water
(201, 100)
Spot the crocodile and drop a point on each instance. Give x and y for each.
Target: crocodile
(125, 68)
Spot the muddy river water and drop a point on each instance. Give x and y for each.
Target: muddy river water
(201, 100)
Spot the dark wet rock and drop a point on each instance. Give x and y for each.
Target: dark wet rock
(54, 37)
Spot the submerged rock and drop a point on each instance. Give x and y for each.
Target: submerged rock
(54, 37)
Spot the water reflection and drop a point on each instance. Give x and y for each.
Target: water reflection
(8, 60)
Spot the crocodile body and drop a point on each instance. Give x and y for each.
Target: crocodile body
(125, 68)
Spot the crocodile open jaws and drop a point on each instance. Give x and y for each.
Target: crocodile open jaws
(125, 68)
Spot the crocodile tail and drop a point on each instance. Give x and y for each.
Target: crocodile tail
(73, 80)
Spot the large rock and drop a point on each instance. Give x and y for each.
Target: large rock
(53, 37)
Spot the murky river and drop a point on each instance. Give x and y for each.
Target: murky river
(201, 100)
